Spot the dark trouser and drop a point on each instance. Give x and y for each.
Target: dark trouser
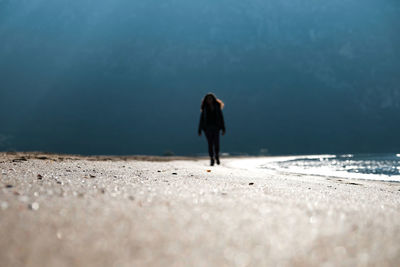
(213, 142)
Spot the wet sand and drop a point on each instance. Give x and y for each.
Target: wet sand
(60, 210)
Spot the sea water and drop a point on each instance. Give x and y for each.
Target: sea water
(381, 167)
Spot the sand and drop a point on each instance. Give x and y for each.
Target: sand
(86, 211)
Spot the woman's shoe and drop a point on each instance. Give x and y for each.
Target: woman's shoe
(217, 159)
(212, 162)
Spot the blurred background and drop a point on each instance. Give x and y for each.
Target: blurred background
(128, 76)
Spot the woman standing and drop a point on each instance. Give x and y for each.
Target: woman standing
(212, 122)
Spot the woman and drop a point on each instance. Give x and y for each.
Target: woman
(212, 122)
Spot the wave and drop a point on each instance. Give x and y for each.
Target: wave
(379, 167)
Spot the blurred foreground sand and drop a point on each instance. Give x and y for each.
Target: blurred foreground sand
(139, 211)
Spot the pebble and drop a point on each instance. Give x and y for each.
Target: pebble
(34, 206)
(59, 235)
(4, 205)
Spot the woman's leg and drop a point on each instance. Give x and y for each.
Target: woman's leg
(216, 146)
(210, 141)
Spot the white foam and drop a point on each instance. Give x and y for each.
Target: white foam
(327, 171)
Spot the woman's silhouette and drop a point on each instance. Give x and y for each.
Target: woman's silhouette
(212, 122)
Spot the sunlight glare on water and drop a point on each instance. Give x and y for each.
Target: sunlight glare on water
(380, 167)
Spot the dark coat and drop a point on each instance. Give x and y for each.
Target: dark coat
(211, 120)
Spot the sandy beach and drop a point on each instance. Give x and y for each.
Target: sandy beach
(58, 210)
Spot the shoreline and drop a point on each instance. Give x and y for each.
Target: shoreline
(61, 156)
(88, 212)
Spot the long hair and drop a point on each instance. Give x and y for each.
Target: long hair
(216, 102)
